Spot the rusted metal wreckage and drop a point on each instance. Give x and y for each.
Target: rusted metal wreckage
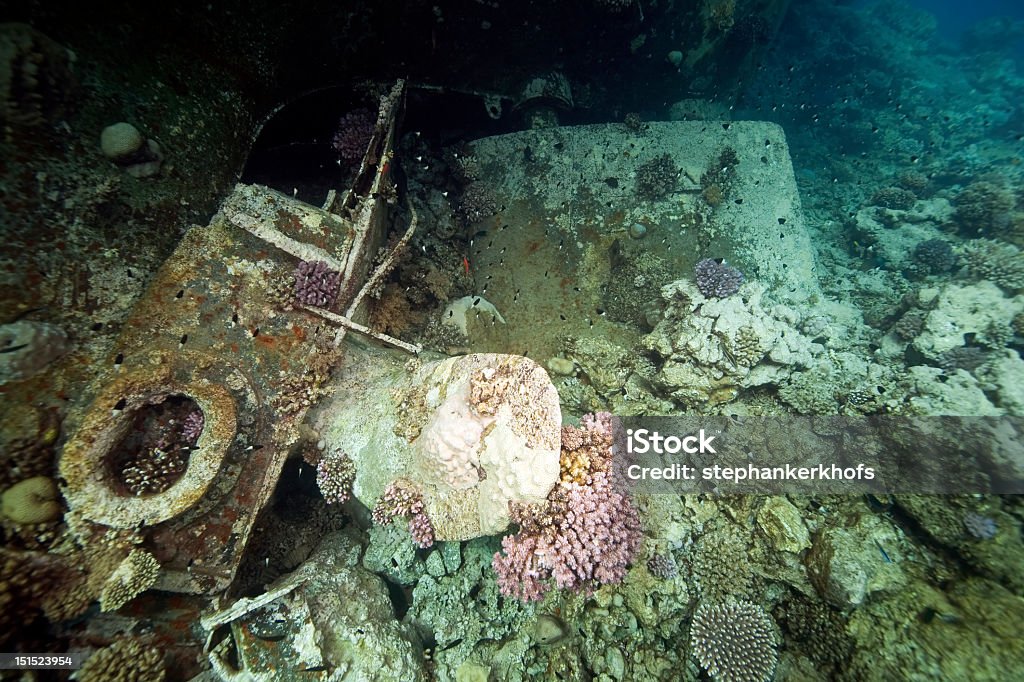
(218, 328)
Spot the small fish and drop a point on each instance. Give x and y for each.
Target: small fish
(465, 264)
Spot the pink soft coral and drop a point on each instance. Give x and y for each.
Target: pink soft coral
(583, 536)
(403, 499)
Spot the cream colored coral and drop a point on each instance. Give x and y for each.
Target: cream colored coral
(34, 500)
(457, 313)
(120, 140)
(127, 659)
(133, 576)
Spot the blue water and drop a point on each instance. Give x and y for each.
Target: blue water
(955, 17)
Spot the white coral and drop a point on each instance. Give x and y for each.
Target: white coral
(450, 442)
(457, 311)
(705, 362)
(961, 311)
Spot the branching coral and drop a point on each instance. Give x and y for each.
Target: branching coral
(663, 566)
(734, 641)
(819, 629)
(983, 207)
(402, 499)
(135, 575)
(913, 180)
(575, 462)
(716, 278)
(31, 582)
(584, 535)
(933, 256)
(335, 474)
(911, 324)
(476, 203)
(393, 313)
(353, 135)
(718, 178)
(746, 347)
(128, 659)
(156, 453)
(896, 198)
(995, 261)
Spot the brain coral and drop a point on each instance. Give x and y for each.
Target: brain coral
(34, 500)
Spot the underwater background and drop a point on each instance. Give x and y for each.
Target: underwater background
(322, 326)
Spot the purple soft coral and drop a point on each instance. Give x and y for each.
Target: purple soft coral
(316, 284)
(716, 278)
(353, 134)
(192, 427)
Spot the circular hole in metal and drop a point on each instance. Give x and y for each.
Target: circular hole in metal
(154, 452)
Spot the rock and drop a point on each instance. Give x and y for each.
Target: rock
(435, 564)
(29, 347)
(846, 565)
(605, 364)
(1004, 373)
(148, 163)
(460, 312)
(548, 629)
(123, 144)
(561, 366)
(465, 614)
(714, 348)
(339, 617)
(37, 82)
(781, 522)
(961, 311)
(471, 671)
(451, 552)
(390, 554)
(933, 391)
(616, 663)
